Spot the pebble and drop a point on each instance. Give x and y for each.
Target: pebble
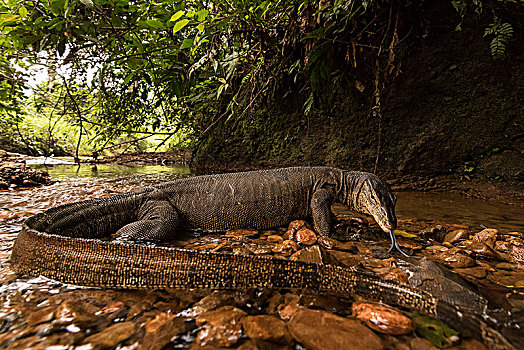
(421, 344)
(241, 233)
(308, 254)
(285, 248)
(266, 327)
(322, 330)
(434, 232)
(487, 236)
(305, 236)
(161, 330)
(112, 335)
(455, 236)
(220, 327)
(383, 319)
(330, 243)
(453, 258)
(476, 272)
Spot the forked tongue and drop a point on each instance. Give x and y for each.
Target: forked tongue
(394, 243)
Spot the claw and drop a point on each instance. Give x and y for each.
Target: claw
(394, 244)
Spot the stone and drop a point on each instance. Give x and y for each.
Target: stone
(308, 254)
(305, 236)
(476, 272)
(322, 330)
(112, 335)
(161, 330)
(434, 232)
(452, 258)
(456, 235)
(383, 319)
(266, 327)
(330, 243)
(220, 327)
(41, 316)
(322, 301)
(346, 259)
(487, 236)
(275, 239)
(517, 254)
(421, 344)
(286, 248)
(241, 233)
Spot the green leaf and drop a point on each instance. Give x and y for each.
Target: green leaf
(179, 25)
(129, 77)
(88, 3)
(436, 331)
(201, 27)
(22, 11)
(202, 14)
(154, 23)
(57, 6)
(177, 16)
(187, 43)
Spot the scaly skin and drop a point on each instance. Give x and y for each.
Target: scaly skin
(62, 243)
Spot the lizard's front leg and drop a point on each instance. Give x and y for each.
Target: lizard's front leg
(157, 220)
(321, 211)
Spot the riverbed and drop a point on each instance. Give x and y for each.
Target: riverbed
(447, 228)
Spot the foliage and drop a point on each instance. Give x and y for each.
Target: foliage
(499, 30)
(174, 69)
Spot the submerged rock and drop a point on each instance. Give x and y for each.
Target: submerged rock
(111, 336)
(308, 254)
(266, 327)
(383, 319)
(456, 235)
(221, 327)
(323, 330)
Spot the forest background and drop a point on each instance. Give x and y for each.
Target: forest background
(395, 87)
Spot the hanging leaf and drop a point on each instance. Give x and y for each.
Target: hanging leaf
(154, 23)
(202, 14)
(177, 16)
(88, 3)
(179, 25)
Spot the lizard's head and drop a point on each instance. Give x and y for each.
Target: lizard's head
(374, 197)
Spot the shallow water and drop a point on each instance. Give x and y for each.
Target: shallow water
(25, 299)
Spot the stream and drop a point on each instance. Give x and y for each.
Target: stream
(482, 241)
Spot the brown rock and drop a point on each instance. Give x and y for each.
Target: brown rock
(161, 330)
(453, 258)
(346, 259)
(111, 336)
(286, 248)
(476, 272)
(212, 301)
(266, 327)
(488, 236)
(44, 315)
(323, 330)
(393, 273)
(408, 243)
(325, 302)
(221, 327)
(308, 254)
(383, 319)
(306, 236)
(435, 232)
(275, 239)
(455, 236)
(330, 243)
(289, 307)
(241, 233)
(480, 248)
(517, 254)
(421, 344)
(469, 344)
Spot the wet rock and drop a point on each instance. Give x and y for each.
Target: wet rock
(478, 248)
(275, 239)
(346, 259)
(111, 336)
(266, 327)
(7, 275)
(317, 329)
(453, 258)
(257, 248)
(79, 313)
(325, 302)
(455, 236)
(502, 246)
(487, 236)
(476, 272)
(507, 278)
(294, 227)
(408, 243)
(273, 302)
(383, 319)
(161, 330)
(434, 232)
(289, 307)
(308, 254)
(505, 266)
(241, 233)
(517, 254)
(330, 243)
(214, 300)
(221, 327)
(306, 236)
(421, 344)
(44, 315)
(286, 248)
(469, 344)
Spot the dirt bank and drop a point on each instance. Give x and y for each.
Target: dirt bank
(453, 113)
